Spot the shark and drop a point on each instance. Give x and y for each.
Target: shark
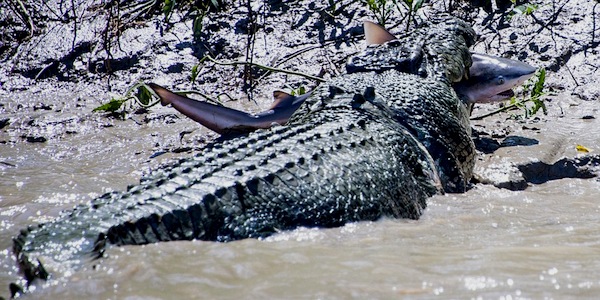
(489, 79)
(225, 120)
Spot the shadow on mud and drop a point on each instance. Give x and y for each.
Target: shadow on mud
(579, 167)
(519, 177)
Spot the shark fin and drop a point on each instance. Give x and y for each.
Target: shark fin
(375, 34)
(282, 99)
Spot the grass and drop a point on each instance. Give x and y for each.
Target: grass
(383, 10)
(529, 105)
(535, 98)
(140, 94)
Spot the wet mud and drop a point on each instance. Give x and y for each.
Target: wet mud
(532, 201)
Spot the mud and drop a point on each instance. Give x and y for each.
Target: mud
(55, 153)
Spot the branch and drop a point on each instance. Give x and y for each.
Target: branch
(23, 14)
(495, 112)
(252, 64)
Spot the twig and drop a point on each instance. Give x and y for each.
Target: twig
(24, 15)
(29, 20)
(57, 15)
(291, 56)
(44, 68)
(252, 28)
(310, 48)
(570, 73)
(593, 44)
(495, 112)
(503, 109)
(253, 64)
(129, 95)
(203, 95)
(74, 24)
(545, 25)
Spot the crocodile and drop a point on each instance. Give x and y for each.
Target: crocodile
(376, 142)
(490, 79)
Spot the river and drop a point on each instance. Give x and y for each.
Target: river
(488, 243)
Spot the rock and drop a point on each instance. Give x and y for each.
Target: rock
(512, 140)
(42, 106)
(504, 175)
(4, 123)
(35, 139)
(486, 145)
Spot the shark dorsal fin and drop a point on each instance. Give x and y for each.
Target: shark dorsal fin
(281, 99)
(375, 34)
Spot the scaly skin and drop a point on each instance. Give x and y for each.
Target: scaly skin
(362, 146)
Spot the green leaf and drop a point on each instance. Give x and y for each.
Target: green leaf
(525, 9)
(302, 90)
(537, 104)
(112, 106)
(143, 95)
(299, 91)
(530, 8)
(417, 5)
(168, 8)
(197, 27)
(518, 9)
(194, 73)
(539, 84)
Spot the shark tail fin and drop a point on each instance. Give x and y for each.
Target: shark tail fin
(166, 96)
(282, 99)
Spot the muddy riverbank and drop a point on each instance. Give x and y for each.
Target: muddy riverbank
(537, 240)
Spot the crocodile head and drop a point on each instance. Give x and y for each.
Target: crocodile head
(490, 78)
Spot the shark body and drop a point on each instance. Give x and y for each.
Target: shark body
(224, 120)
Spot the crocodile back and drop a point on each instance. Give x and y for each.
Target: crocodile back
(428, 109)
(350, 163)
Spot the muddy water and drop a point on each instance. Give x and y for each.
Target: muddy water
(488, 243)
